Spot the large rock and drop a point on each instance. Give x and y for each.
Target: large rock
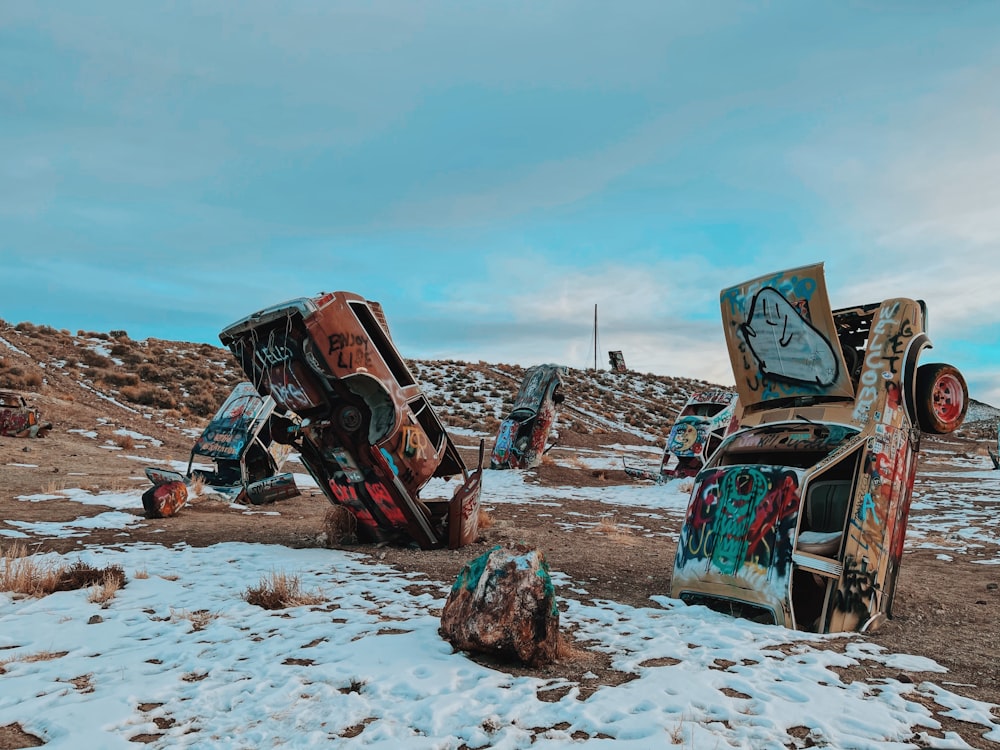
(503, 604)
(164, 500)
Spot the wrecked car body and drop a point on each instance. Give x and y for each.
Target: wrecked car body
(701, 424)
(363, 429)
(245, 460)
(799, 518)
(18, 419)
(521, 439)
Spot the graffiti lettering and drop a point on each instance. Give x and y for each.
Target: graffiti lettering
(378, 492)
(344, 493)
(290, 394)
(881, 362)
(414, 443)
(340, 341)
(351, 349)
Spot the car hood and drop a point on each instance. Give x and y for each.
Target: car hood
(782, 339)
(235, 424)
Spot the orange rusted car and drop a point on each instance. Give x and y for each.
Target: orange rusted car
(799, 517)
(366, 432)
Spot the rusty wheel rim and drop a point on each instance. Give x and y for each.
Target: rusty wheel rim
(949, 400)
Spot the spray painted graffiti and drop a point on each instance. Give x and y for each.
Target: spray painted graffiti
(886, 346)
(782, 339)
(688, 436)
(786, 346)
(857, 588)
(351, 349)
(742, 516)
(414, 442)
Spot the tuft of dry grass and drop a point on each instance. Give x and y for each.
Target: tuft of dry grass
(54, 487)
(280, 590)
(22, 573)
(125, 442)
(340, 526)
(608, 526)
(141, 574)
(102, 593)
(29, 658)
(199, 619)
(196, 487)
(485, 520)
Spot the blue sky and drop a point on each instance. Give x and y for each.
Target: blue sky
(491, 171)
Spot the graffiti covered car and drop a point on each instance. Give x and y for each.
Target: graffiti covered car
(704, 420)
(799, 518)
(365, 430)
(244, 460)
(18, 419)
(521, 439)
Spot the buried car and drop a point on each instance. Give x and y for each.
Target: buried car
(18, 419)
(704, 420)
(364, 429)
(520, 441)
(237, 441)
(799, 517)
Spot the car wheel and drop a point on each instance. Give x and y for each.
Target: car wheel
(942, 398)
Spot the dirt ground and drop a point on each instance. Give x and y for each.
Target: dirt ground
(944, 610)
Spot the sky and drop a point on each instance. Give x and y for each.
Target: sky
(490, 172)
(370, 655)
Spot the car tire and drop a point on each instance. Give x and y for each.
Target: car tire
(942, 398)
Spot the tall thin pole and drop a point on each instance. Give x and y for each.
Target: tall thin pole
(595, 335)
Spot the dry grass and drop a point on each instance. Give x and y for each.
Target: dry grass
(199, 619)
(280, 590)
(125, 442)
(102, 593)
(196, 487)
(485, 520)
(54, 487)
(29, 658)
(340, 526)
(610, 528)
(28, 575)
(141, 574)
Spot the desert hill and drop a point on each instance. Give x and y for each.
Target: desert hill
(176, 384)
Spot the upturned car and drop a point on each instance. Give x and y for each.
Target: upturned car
(522, 437)
(799, 518)
(363, 427)
(18, 419)
(235, 454)
(702, 423)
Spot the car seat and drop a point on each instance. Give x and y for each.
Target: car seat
(826, 513)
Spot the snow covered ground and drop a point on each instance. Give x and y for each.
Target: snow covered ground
(182, 660)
